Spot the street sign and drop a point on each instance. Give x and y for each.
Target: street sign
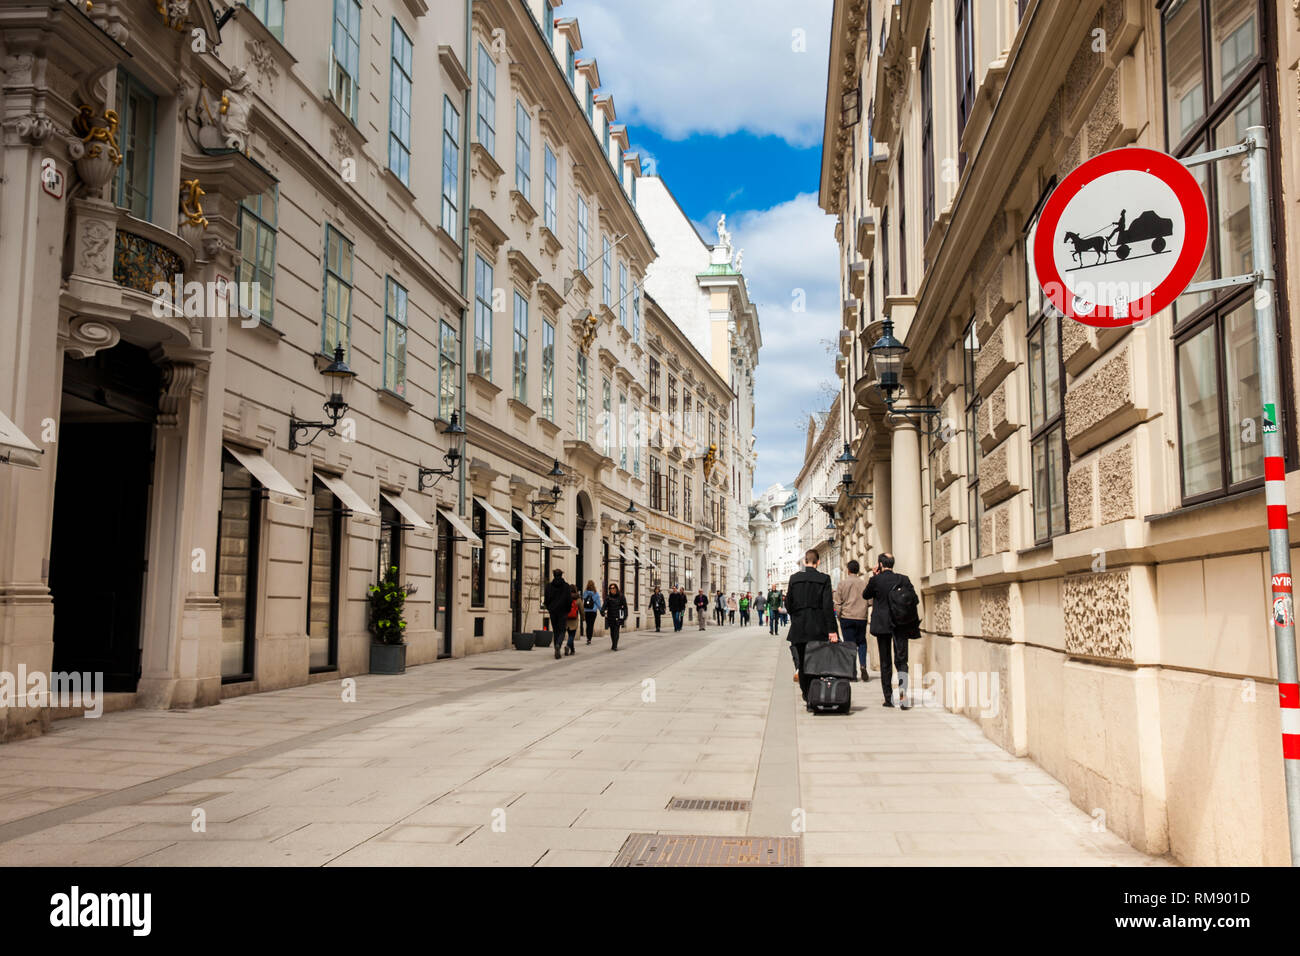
(1121, 237)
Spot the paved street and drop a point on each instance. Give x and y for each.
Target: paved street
(514, 758)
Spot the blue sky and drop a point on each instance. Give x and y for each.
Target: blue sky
(725, 99)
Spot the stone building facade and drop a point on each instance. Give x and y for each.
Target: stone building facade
(818, 487)
(1087, 520)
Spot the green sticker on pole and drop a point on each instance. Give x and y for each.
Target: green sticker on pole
(1270, 419)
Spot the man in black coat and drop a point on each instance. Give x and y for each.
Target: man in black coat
(677, 606)
(657, 605)
(811, 606)
(558, 599)
(883, 580)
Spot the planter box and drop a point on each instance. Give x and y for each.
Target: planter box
(523, 640)
(388, 658)
(541, 638)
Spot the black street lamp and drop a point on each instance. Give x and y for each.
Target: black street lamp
(848, 460)
(887, 355)
(339, 377)
(455, 433)
(545, 501)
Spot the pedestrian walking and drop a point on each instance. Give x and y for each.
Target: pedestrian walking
(701, 605)
(720, 609)
(773, 612)
(852, 609)
(657, 606)
(677, 607)
(733, 606)
(761, 606)
(812, 613)
(893, 624)
(744, 609)
(556, 598)
(590, 607)
(615, 607)
(574, 618)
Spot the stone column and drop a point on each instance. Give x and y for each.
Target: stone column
(881, 530)
(905, 497)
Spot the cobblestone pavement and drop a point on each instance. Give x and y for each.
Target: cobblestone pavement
(515, 758)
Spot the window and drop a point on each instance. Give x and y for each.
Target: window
(636, 312)
(483, 318)
(1049, 454)
(1217, 84)
(672, 491)
(884, 254)
(687, 495)
(569, 67)
(965, 34)
(654, 382)
(550, 192)
(902, 221)
(688, 420)
(581, 397)
(656, 484)
(487, 100)
(448, 366)
(672, 401)
(606, 419)
(927, 143)
(591, 103)
(450, 165)
(238, 559)
(622, 294)
(399, 107)
(336, 326)
(622, 430)
(582, 234)
(974, 504)
(323, 580)
(136, 111)
(345, 57)
(606, 273)
(395, 338)
(390, 541)
(523, 151)
(672, 570)
(521, 349)
(271, 13)
(605, 139)
(548, 22)
(477, 558)
(255, 265)
(548, 370)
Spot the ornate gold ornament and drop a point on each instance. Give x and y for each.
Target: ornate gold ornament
(710, 459)
(191, 193)
(590, 326)
(84, 126)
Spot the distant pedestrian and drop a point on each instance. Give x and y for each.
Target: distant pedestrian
(657, 606)
(574, 619)
(744, 609)
(556, 599)
(677, 607)
(615, 608)
(812, 613)
(733, 606)
(773, 610)
(720, 609)
(760, 605)
(893, 622)
(852, 609)
(701, 606)
(590, 607)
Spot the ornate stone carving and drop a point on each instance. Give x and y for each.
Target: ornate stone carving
(96, 237)
(267, 71)
(177, 378)
(1097, 609)
(88, 336)
(34, 128)
(175, 13)
(225, 120)
(100, 155)
(341, 141)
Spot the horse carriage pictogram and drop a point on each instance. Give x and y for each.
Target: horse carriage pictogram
(1147, 227)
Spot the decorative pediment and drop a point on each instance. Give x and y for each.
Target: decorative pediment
(453, 67)
(484, 164)
(523, 84)
(551, 246)
(551, 297)
(522, 209)
(521, 270)
(484, 230)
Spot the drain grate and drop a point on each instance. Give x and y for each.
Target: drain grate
(662, 849)
(706, 803)
(496, 668)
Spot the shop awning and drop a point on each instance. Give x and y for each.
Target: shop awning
(464, 530)
(412, 518)
(534, 529)
(15, 447)
(646, 562)
(352, 501)
(264, 472)
(559, 540)
(497, 519)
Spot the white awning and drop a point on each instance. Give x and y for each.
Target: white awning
(497, 518)
(620, 550)
(559, 536)
(406, 511)
(646, 562)
(532, 528)
(344, 493)
(264, 472)
(457, 522)
(15, 447)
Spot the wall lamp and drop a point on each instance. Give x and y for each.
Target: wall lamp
(339, 377)
(546, 500)
(455, 433)
(848, 460)
(887, 355)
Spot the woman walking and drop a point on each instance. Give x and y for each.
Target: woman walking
(732, 606)
(615, 614)
(575, 613)
(590, 607)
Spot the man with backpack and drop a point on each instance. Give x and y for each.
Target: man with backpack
(895, 620)
(677, 607)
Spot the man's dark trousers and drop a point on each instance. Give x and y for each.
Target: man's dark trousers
(658, 617)
(796, 651)
(884, 643)
(855, 632)
(591, 624)
(559, 624)
(677, 620)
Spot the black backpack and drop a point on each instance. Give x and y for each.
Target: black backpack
(903, 604)
(589, 601)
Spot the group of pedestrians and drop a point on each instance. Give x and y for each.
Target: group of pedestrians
(569, 609)
(886, 605)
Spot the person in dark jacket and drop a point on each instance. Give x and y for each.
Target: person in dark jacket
(590, 607)
(615, 614)
(557, 600)
(575, 615)
(701, 605)
(677, 607)
(773, 610)
(811, 606)
(657, 606)
(720, 609)
(883, 580)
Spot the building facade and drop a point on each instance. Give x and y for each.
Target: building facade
(818, 486)
(1086, 517)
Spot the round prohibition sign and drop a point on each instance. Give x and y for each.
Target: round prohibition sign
(1121, 237)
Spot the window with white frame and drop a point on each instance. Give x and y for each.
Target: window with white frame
(523, 151)
(336, 324)
(582, 234)
(606, 272)
(482, 318)
(550, 193)
(399, 106)
(622, 294)
(395, 338)
(520, 377)
(487, 100)
(345, 57)
(548, 370)
(580, 396)
(450, 166)
(1049, 454)
(448, 369)
(255, 265)
(606, 419)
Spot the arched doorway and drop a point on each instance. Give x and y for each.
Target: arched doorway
(580, 542)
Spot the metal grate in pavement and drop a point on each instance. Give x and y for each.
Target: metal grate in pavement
(663, 849)
(705, 803)
(496, 668)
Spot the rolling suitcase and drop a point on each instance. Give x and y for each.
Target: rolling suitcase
(827, 694)
(831, 666)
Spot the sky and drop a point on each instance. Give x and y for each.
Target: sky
(724, 99)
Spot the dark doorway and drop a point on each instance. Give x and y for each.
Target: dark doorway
(445, 582)
(517, 577)
(99, 533)
(579, 539)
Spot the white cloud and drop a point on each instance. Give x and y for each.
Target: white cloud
(683, 67)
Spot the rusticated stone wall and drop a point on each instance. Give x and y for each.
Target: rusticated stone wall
(995, 613)
(1098, 614)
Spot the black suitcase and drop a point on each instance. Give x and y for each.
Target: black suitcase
(824, 659)
(827, 694)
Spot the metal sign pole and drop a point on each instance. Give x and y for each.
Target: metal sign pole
(1279, 547)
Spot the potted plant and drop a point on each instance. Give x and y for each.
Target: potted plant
(387, 626)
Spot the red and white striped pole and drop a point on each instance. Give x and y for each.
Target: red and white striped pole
(1282, 609)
